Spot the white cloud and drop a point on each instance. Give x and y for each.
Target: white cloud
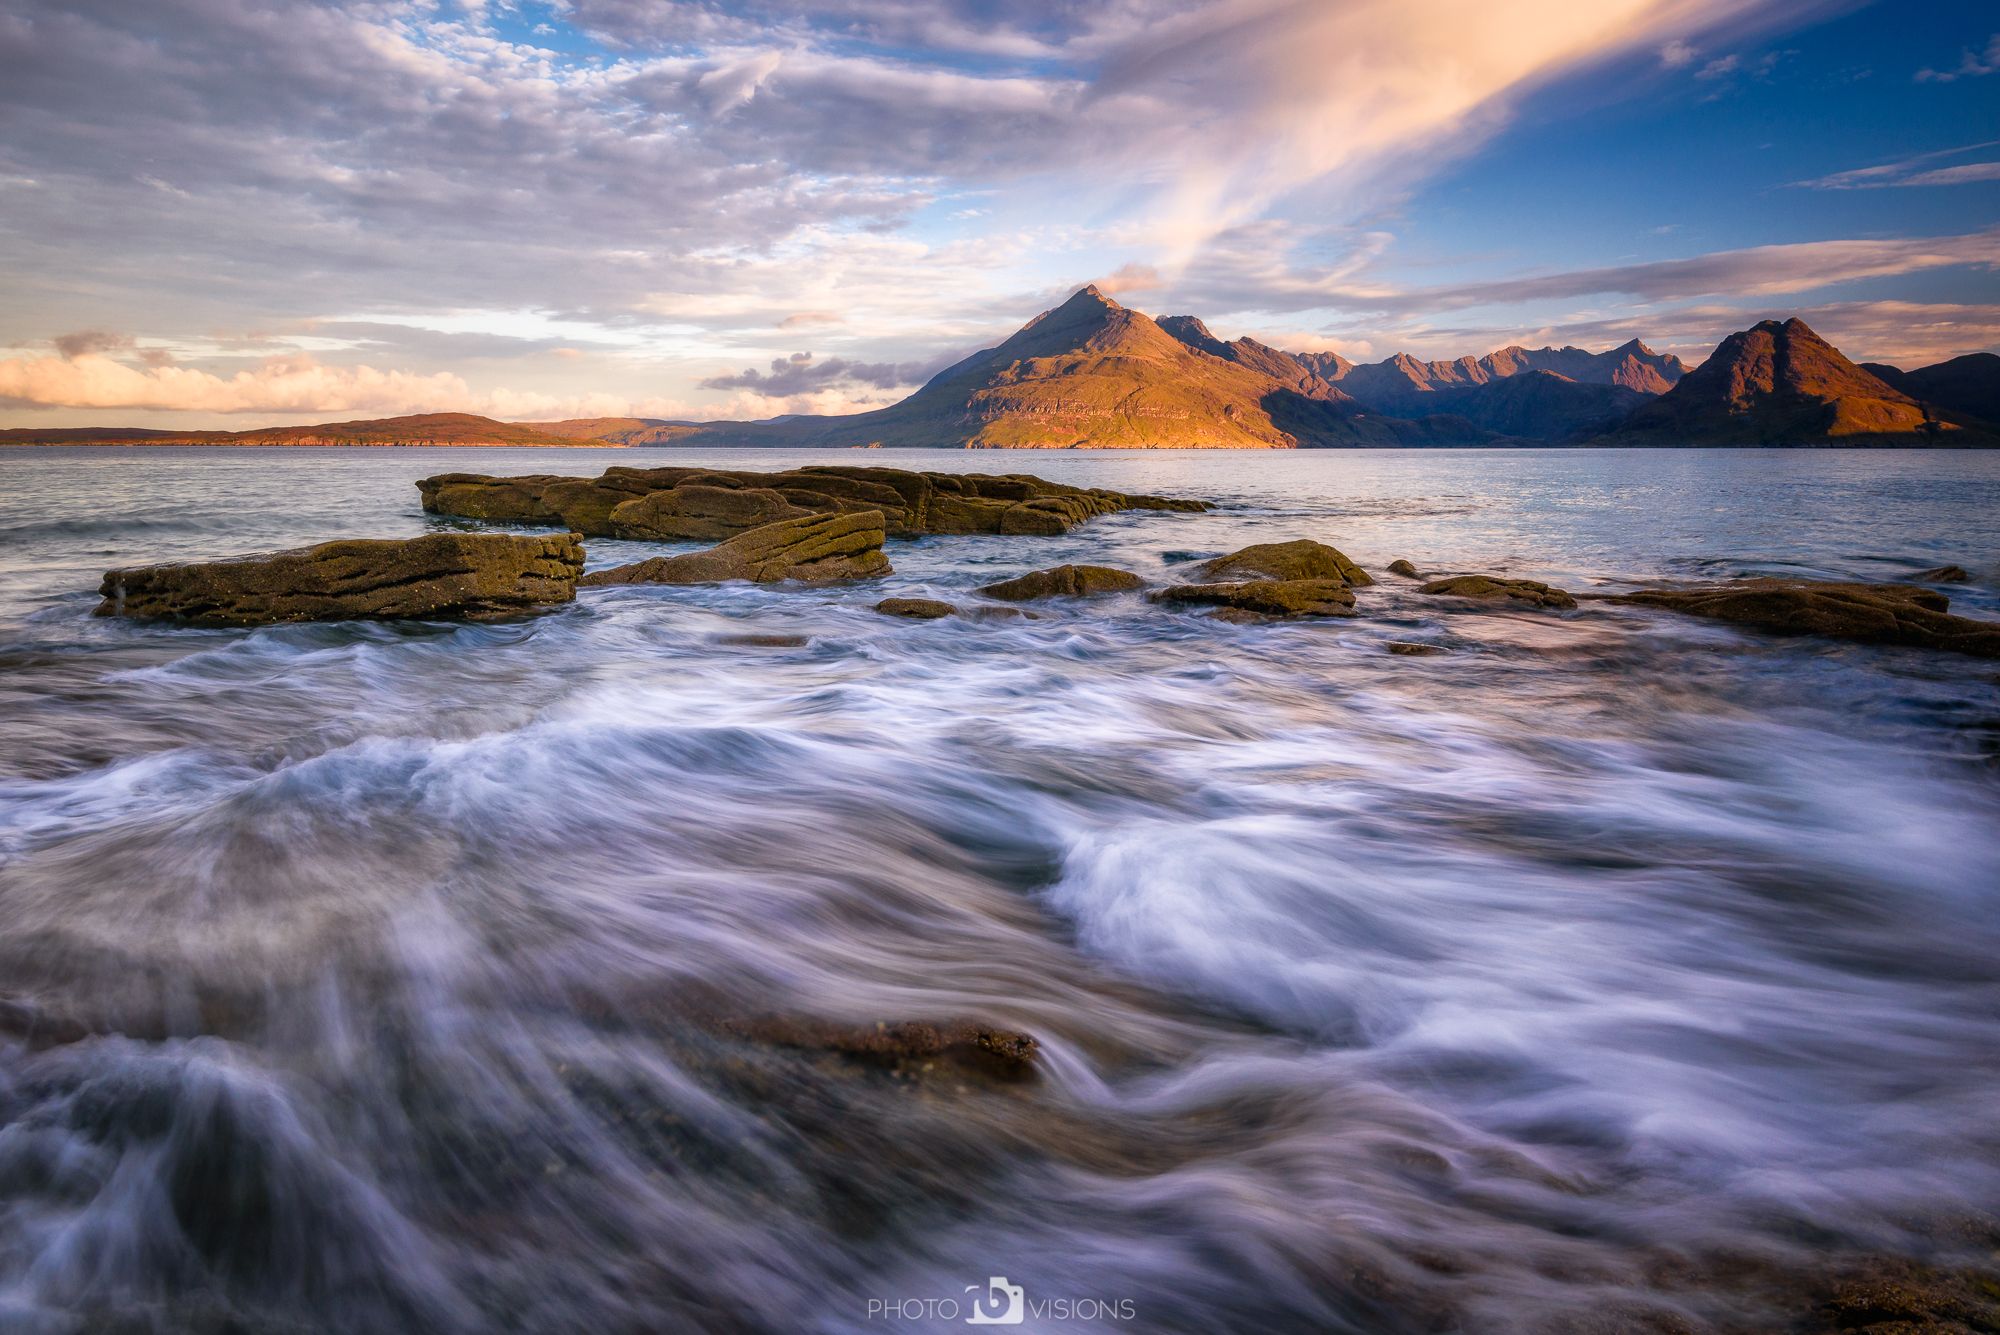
(1971, 65)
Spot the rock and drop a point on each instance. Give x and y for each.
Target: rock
(1300, 559)
(1868, 613)
(1064, 582)
(1269, 597)
(1944, 575)
(754, 640)
(696, 511)
(1404, 568)
(921, 609)
(814, 549)
(995, 1051)
(711, 504)
(1412, 649)
(441, 576)
(1488, 588)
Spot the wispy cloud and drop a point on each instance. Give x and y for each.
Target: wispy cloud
(1972, 65)
(1912, 171)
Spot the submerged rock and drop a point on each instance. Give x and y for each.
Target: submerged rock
(1403, 568)
(1945, 575)
(1414, 649)
(920, 609)
(1300, 559)
(1869, 613)
(1489, 588)
(1064, 582)
(1269, 597)
(450, 576)
(815, 549)
(1000, 1052)
(711, 504)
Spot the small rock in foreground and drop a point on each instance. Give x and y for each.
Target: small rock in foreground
(1488, 588)
(815, 549)
(1269, 597)
(1412, 649)
(1869, 613)
(1403, 568)
(441, 576)
(919, 609)
(1064, 582)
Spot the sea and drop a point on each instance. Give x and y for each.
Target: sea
(1611, 970)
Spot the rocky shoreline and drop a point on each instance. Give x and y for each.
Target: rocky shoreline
(822, 525)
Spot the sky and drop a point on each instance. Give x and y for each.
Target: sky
(226, 213)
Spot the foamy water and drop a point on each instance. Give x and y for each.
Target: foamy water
(1611, 968)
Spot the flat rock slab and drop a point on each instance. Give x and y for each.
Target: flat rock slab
(1269, 597)
(1064, 582)
(705, 504)
(441, 576)
(1868, 613)
(815, 549)
(1300, 559)
(917, 609)
(1488, 588)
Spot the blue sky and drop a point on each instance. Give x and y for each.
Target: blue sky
(621, 206)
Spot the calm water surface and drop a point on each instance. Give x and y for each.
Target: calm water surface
(1610, 969)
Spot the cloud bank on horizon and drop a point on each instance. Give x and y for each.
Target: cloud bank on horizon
(544, 208)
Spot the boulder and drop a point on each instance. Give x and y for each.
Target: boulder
(1064, 582)
(1300, 559)
(814, 549)
(1404, 568)
(506, 500)
(919, 609)
(1869, 613)
(441, 576)
(1269, 597)
(1945, 575)
(1489, 588)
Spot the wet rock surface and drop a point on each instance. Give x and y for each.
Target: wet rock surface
(1300, 559)
(446, 576)
(1414, 649)
(815, 549)
(1944, 575)
(1268, 597)
(1900, 614)
(1490, 588)
(917, 609)
(1066, 581)
(969, 1045)
(703, 504)
(1404, 568)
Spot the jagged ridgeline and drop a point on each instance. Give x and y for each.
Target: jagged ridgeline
(706, 504)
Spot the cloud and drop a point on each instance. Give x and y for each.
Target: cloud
(800, 374)
(1260, 278)
(1678, 54)
(1128, 278)
(283, 386)
(1907, 172)
(810, 319)
(1971, 65)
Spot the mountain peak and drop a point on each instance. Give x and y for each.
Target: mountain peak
(1090, 294)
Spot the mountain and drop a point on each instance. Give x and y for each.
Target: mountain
(1968, 384)
(1093, 373)
(617, 430)
(1401, 383)
(1782, 384)
(420, 429)
(1541, 405)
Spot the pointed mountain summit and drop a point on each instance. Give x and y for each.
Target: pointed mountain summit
(1779, 383)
